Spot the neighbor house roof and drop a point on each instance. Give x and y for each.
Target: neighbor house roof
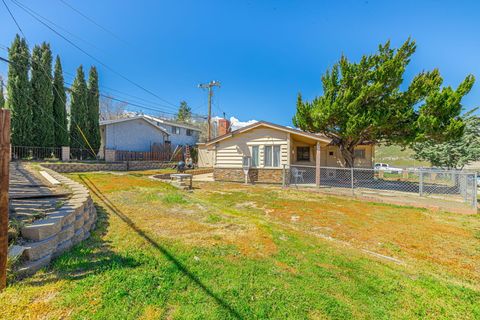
(314, 136)
(172, 123)
(144, 118)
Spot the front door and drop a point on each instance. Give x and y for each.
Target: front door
(332, 158)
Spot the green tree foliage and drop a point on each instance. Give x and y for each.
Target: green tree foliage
(93, 110)
(2, 97)
(60, 106)
(362, 103)
(18, 92)
(78, 110)
(455, 153)
(184, 112)
(42, 97)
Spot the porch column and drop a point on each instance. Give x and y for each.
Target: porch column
(317, 166)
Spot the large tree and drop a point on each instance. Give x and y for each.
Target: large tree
(93, 112)
(184, 112)
(2, 97)
(455, 153)
(60, 106)
(78, 110)
(363, 103)
(18, 92)
(42, 96)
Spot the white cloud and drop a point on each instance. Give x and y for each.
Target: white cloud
(237, 124)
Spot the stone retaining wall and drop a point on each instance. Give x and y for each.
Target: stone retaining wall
(107, 166)
(60, 230)
(254, 175)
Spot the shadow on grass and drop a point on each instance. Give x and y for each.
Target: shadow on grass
(93, 256)
(110, 205)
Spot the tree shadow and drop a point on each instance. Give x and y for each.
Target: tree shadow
(90, 257)
(180, 266)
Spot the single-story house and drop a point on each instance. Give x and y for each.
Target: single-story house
(131, 134)
(272, 147)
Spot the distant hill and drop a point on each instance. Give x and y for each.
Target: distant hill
(395, 156)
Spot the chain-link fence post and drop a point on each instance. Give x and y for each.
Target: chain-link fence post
(475, 190)
(352, 184)
(284, 176)
(420, 187)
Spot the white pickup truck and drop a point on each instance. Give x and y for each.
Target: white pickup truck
(387, 168)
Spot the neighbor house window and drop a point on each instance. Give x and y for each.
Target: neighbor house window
(189, 132)
(303, 154)
(175, 130)
(272, 156)
(359, 154)
(255, 156)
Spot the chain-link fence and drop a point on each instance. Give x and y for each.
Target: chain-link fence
(444, 184)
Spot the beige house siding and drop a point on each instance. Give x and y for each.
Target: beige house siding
(230, 152)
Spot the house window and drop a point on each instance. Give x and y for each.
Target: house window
(359, 154)
(276, 156)
(189, 132)
(255, 156)
(268, 156)
(303, 153)
(175, 130)
(272, 156)
(330, 153)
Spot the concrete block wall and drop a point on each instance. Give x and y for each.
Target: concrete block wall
(106, 166)
(60, 230)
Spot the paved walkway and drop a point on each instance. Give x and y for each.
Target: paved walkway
(29, 196)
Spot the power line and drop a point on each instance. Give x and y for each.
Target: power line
(34, 15)
(93, 21)
(13, 18)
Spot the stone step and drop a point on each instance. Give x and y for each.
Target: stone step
(41, 229)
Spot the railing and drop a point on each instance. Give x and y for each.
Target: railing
(163, 156)
(447, 184)
(81, 154)
(36, 153)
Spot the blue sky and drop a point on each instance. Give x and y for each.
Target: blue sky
(263, 52)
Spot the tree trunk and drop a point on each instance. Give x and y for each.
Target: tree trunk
(348, 155)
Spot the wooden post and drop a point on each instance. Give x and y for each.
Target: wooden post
(317, 166)
(4, 179)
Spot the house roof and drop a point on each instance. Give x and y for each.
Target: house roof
(144, 118)
(318, 137)
(172, 123)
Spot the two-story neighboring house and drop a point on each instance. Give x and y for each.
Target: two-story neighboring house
(142, 133)
(179, 133)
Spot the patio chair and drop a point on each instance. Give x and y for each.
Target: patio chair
(297, 175)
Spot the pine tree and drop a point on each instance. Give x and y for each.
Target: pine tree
(42, 96)
(93, 110)
(18, 92)
(78, 110)
(184, 112)
(2, 98)
(60, 106)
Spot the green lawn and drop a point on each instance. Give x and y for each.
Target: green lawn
(229, 251)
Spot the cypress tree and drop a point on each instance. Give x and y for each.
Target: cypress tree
(78, 110)
(93, 109)
(42, 96)
(18, 93)
(2, 98)
(59, 106)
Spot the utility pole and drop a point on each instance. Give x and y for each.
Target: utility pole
(4, 180)
(209, 86)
